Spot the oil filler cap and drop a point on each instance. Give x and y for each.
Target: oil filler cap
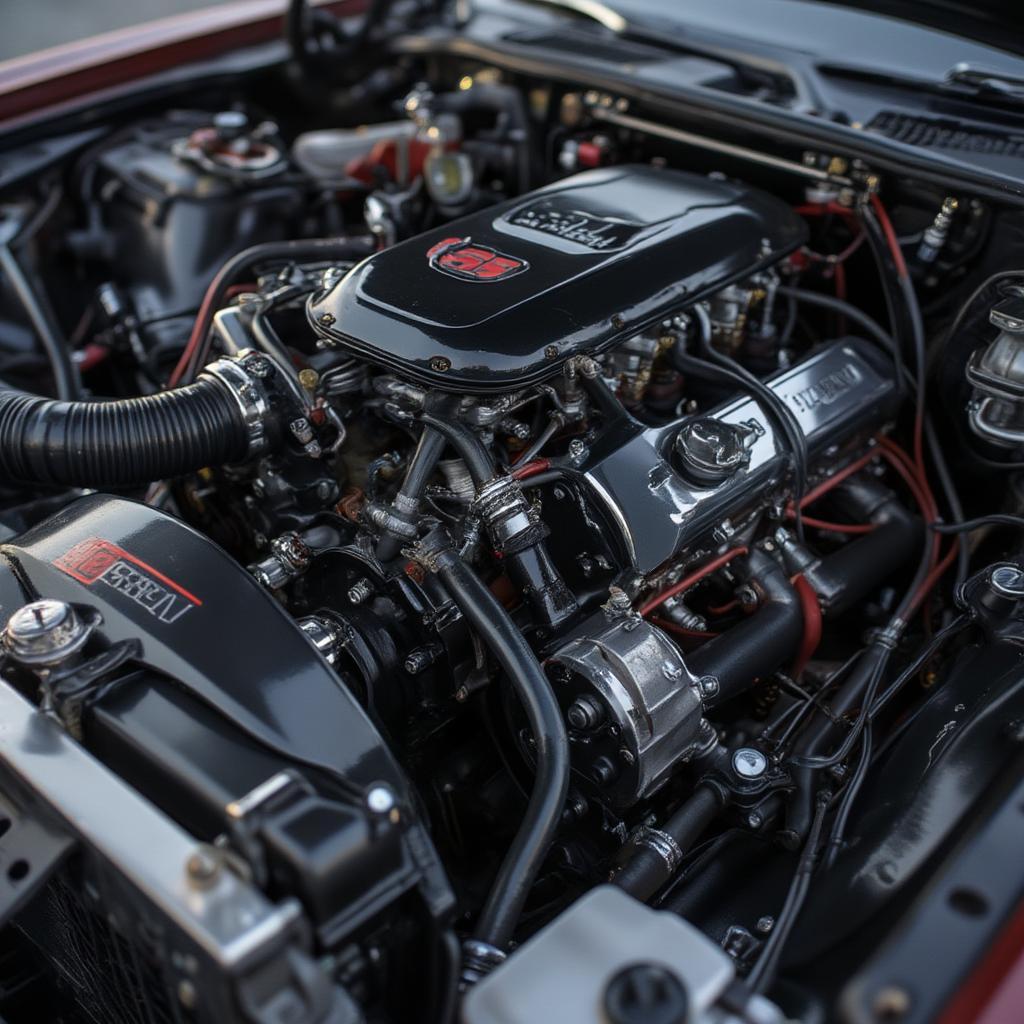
(646, 993)
(710, 450)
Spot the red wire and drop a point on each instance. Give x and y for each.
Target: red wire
(92, 355)
(890, 235)
(201, 325)
(822, 524)
(531, 468)
(689, 634)
(837, 478)
(914, 471)
(199, 330)
(932, 578)
(688, 581)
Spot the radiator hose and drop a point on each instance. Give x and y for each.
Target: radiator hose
(123, 442)
(510, 650)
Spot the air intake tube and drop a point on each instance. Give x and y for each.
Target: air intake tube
(221, 418)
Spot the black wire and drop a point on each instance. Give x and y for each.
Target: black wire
(790, 323)
(763, 971)
(44, 323)
(958, 624)
(43, 212)
(814, 701)
(918, 341)
(835, 839)
(995, 463)
(850, 741)
(967, 525)
(831, 303)
(956, 510)
(946, 483)
(887, 274)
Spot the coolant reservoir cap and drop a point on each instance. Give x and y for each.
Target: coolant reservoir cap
(646, 994)
(45, 632)
(710, 450)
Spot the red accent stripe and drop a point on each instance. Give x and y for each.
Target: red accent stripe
(67, 565)
(188, 595)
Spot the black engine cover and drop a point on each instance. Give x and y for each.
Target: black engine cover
(503, 297)
(225, 693)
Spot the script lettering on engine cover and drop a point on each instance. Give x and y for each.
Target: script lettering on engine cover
(826, 389)
(99, 561)
(602, 234)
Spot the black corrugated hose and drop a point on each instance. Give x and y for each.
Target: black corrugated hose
(119, 443)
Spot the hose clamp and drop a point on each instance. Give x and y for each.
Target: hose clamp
(660, 843)
(243, 376)
(512, 522)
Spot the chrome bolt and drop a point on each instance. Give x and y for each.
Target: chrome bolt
(708, 686)
(671, 671)
(891, 1003)
(418, 660)
(202, 869)
(765, 924)
(258, 366)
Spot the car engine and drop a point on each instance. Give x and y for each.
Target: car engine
(445, 537)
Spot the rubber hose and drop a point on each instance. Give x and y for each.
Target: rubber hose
(424, 460)
(119, 443)
(647, 870)
(470, 448)
(758, 645)
(492, 623)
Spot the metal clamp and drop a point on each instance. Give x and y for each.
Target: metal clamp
(660, 843)
(242, 376)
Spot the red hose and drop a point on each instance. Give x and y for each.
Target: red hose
(812, 623)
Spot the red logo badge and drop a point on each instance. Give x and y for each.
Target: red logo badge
(460, 258)
(96, 560)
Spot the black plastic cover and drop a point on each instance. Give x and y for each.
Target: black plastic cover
(250, 697)
(503, 297)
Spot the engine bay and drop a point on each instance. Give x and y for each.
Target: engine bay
(471, 527)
